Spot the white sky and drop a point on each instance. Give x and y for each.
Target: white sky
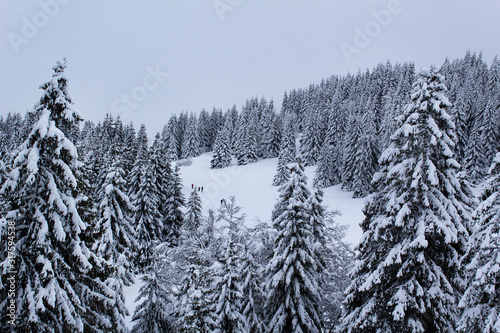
(258, 48)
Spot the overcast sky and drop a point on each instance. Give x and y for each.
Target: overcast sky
(219, 53)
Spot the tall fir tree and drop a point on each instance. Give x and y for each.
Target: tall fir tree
(252, 293)
(310, 141)
(271, 132)
(191, 141)
(222, 150)
(282, 173)
(115, 221)
(152, 315)
(60, 281)
(148, 220)
(292, 285)
(170, 139)
(193, 217)
(174, 217)
(117, 242)
(246, 141)
(366, 154)
(407, 274)
(226, 292)
(288, 148)
(163, 178)
(328, 172)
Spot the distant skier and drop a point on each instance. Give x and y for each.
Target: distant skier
(202, 188)
(192, 186)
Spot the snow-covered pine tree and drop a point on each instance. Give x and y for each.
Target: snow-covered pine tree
(338, 262)
(481, 310)
(180, 131)
(246, 136)
(328, 173)
(282, 173)
(152, 315)
(163, 176)
(129, 152)
(310, 141)
(216, 123)
(474, 159)
(204, 128)
(140, 161)
(288, 141)
(407, 274)
(366, 154)
(191, 142)
(222, 151)
(174, 217)
(194, 303)
(226, 291)
(318, 212)
(147, 218)
(117, 239)
(169, 138)
(292, 285)
(194, 308)
(193, 217)
(115, 221)
(252, 293)
(271, 132)
(60, 281)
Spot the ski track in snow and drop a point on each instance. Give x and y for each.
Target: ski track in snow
(251, 185)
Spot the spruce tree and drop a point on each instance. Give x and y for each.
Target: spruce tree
(162, 177)
(193, 218)
(406, 278)
(147, 218)
(310, 141)
(115, 221)
(152, 315)
(252, 294)
(169, 139)
(246, 136)
(194, 308)
(222, 151)
(174, 217)
(282, 172)
(271, 132)
(129, 152)
(366, 155)
(191, 141)
(117, 239)
(226, 292)
(481, 310)
(60, 280)
(288, 141)
(292, 285)
(328, 173)
(204, 135)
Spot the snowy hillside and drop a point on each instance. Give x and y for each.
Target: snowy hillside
(251, 185)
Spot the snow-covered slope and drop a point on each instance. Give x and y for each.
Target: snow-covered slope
(251, 185)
